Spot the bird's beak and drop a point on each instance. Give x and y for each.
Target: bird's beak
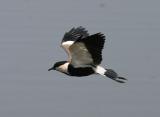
(52, 68)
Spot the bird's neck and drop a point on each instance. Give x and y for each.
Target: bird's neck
(64, 67)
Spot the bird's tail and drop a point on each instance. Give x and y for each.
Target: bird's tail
(110, 74)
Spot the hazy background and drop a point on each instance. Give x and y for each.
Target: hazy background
(30, 35)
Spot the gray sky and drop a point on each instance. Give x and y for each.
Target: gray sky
(30, 35)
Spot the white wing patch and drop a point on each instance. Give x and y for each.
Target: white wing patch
(66, 45)
(80, 55)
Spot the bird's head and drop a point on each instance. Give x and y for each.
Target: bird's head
(60, 66)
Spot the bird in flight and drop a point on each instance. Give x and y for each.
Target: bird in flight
(84, 55)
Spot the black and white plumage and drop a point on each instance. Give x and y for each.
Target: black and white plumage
(84, 55)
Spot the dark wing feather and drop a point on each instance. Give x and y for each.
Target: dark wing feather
(94, 44)
(75, 33)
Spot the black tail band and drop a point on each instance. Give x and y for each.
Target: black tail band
(114, 76)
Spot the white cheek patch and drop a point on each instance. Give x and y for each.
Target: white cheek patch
(100, 70)
(63, 68)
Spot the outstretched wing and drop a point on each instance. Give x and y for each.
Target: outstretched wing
(71, 36)
(74, 34)
(87, 51)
